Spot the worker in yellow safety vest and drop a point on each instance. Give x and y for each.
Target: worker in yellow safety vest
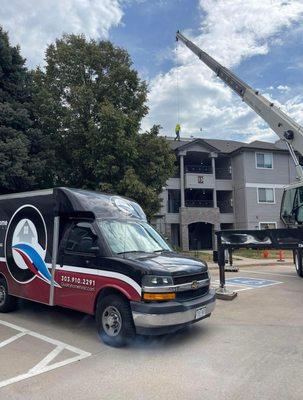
(177, 130)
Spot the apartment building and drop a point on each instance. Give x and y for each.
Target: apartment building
(222, 184)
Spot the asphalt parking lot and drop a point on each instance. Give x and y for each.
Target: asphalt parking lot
(250, 348)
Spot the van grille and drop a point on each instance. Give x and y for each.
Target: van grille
(192, 294)
(178, 280)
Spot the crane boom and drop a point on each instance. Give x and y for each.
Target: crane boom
(285, 127)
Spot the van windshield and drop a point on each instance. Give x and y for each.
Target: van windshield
(132, 236)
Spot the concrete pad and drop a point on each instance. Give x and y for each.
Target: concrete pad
(222, 293)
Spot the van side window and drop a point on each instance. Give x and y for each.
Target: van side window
(82, 239)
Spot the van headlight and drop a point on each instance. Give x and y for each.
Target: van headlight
(153, 280)
(154, 288)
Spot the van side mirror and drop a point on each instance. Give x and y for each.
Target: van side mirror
(94, 250)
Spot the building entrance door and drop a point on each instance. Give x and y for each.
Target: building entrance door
(200, 236)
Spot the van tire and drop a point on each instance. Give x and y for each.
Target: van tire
(114, 320)
(7, 302)
(298, 262)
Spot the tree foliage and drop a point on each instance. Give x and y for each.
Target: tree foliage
(91, 103)
(20, 163)
(76, 123)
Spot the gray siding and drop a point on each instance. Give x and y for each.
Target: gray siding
(257, 212)
(282, 172)
(238, 173)
(238, 170)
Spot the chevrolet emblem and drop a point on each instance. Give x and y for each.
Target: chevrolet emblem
(194, 285)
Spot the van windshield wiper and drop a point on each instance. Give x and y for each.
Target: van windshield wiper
(131, 251)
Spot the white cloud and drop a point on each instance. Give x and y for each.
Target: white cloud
(35, 23)
(231, 31)
(283, 88)
(294, 107)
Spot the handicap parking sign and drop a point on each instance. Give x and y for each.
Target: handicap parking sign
(252, 282)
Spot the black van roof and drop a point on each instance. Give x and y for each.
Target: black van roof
(70, 201)
(102, 205)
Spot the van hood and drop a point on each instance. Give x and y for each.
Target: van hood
(171, 263)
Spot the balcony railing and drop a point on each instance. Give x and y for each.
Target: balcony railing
(225, 207)
(199, 203)
(204, 169)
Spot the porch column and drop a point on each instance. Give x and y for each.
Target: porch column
(182, 183)
(184, 237)
(213, 156)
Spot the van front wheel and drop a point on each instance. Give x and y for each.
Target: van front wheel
(114, 320)
(7, 302)
(298, 262)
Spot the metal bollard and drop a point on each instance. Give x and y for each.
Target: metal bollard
(222, 293)
(231, 267)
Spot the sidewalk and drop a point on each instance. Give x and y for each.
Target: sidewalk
(250, 262)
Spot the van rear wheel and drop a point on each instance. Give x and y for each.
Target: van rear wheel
(7, 302)
(298, 262)
(114, 320)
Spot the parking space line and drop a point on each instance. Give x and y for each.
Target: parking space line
(12, 326)
(43, 365)
(45, 338)
(215, 285)
(12, 339)
(46, 360)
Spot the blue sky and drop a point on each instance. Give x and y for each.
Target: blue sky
(260, 40)
(148, 32)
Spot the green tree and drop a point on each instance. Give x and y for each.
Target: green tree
(19, 156)
(90, 102)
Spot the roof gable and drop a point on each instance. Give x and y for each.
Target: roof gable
(197, 143)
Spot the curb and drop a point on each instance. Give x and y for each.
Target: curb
(272, 263)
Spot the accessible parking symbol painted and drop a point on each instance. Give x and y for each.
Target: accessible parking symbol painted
(251, 282)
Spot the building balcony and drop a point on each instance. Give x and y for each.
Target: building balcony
(199, 203)
(224, 206)
(195, 180)
(200, 169)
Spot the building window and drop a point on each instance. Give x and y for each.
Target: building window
(267, 225)
(264, 160)
(266, 195)
(174, 200)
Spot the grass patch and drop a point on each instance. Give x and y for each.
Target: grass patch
(247, 253)
(199, 254)
(259, 254)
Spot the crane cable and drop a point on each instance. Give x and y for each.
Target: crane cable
(177, 82)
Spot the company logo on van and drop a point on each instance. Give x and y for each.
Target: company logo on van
(25, 245)
(123, 205)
